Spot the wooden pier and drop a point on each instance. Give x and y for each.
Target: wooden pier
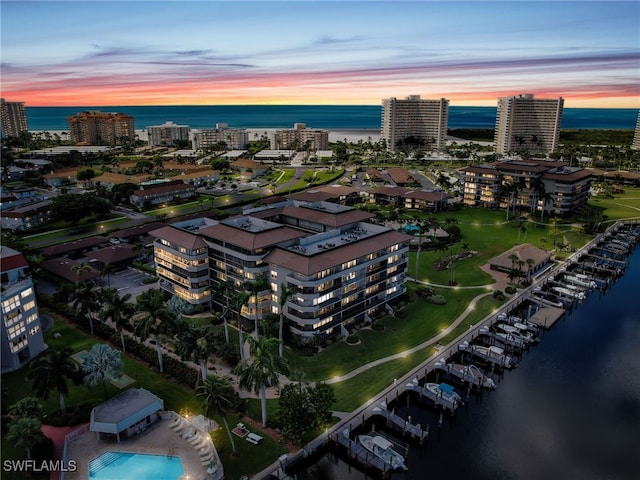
(401, 425)
(548, 316)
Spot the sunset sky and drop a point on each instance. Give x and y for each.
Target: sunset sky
(317, 52)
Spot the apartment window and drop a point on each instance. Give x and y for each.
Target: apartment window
(322, 298)
(29, 305)
(274, 286)
(34, 330)
(26, 292)
(349, 264)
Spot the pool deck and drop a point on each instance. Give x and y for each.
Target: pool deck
(158, 439)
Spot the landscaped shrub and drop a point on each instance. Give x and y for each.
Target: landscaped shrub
(436, 299)
(510, 290)
(377, 326)
(498, 295)
(353, 339)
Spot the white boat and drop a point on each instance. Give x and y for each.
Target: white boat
(469, 373)
(580, 282)
(383, 449)
(565, 292)
(445, 394)
(491, 354)
(517, 330)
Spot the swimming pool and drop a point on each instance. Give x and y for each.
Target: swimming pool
(134, 466)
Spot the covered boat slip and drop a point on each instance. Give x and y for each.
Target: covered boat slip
(126, 414)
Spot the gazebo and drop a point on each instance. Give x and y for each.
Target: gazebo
(126, 414)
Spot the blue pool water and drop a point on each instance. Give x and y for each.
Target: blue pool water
(134, 466)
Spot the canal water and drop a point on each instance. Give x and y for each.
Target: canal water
(570, 410)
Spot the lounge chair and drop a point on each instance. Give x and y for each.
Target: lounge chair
(196, 439)
(189, 433)
(177, 425)
(253, 438)
(201, 443)
(207, 457)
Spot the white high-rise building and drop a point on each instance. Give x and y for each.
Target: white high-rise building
(636, 136)
(416, 120)
(525, 123)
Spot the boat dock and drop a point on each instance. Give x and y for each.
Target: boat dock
(548, 316)
(399, 424)
(440, 400)
(357, 452)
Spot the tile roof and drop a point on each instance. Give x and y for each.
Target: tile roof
(251, 240)
(310, 264)
(67, 247)
(177, 236)
(113, 254)
(63, 268)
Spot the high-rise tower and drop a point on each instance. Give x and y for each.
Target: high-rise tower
(524, 123)
(415, 120)
(13, 118)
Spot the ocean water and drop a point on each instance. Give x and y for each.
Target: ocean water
(571, 410)
(333, 117)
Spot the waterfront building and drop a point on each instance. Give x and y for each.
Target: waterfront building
(300, 137)
(234, 138)
(415, 120)
(635, 145)
(339, 269)
(13, 119)
(22, 337)
(525, 123)
(101, 128)
(166, 134)
(182, 263)
(531, 185)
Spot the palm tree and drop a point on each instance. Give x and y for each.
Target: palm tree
(106, 271)
(239, 299)
(152, 318)
(24, 433)
(197, 344)
(101, 364)
(261, 370)
(226, 290)
(423, 227)
(217, 395)
(84, 299)
(285, 296)
(116, 308)
(530, 263)
(26, 407)
(52, 372)
(80, 268)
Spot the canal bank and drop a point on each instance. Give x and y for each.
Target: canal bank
(398, 389)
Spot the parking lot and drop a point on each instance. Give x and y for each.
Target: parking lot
(127, 280)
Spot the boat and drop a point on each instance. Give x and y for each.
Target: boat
(469, 373)
(491, 354)
(445, 394)
(514, 342)
(383, 449)
(580, 282)
(517, 330)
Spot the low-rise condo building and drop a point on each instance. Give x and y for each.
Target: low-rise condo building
(338, 269)
(528, 185)
(300, 137)
(182, 263)
(165, 135)
(234, 138)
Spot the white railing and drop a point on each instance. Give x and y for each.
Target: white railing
(70, 437)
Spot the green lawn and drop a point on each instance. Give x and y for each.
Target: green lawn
(622, 205)
(415, 324)
(251, 458)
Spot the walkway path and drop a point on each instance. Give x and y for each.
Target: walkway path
(417, 348)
